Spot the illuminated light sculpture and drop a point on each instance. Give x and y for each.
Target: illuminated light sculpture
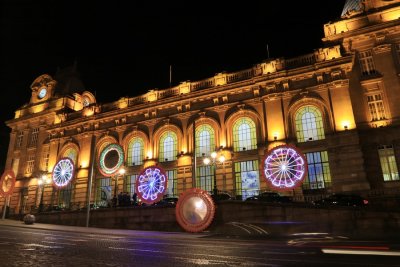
(195, 210)
(63, 172)
(7, 183)
(285, 167)
(111, 159)
(151, 184)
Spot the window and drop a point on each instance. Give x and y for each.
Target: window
(168, 147)
(45, 158)
(65, 196)
(205, 178)
(20, 138)
(103, 192)
(244, 135)
(172, 186)
(366, 63)
(30, 164)
(375, 106)
(205, 140)
(72, 154)
(130, 184)
(319, 175)
(34, 137)
(135, 151)
(309, 125)
(247, 178)
(388, 163)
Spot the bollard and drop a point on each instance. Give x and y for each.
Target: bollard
(29, 219)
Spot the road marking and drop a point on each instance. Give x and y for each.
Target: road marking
(360, 252)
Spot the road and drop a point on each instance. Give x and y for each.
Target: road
(24, 246)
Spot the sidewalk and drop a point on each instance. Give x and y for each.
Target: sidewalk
(102, 231)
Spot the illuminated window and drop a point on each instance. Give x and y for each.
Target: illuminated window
(309, 125)
(45, 157)
(366, 63)
(319, 175)
(72, 154)
(172, 187)
(103, 192)
(135, 151)
(244, 135)
(388, 163)
(168, 147)
(247, 178)
(375, 106)
(130, 184)
(20, 138)
(205, 140)
(30, 164)
(34, 137)
(205, 178)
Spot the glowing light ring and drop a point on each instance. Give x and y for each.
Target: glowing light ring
(109, 171)
(63, 172)
(207, 210)
(7, 183)
(151, 185)
(285, 167)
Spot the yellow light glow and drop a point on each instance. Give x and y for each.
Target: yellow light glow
(84, 164)
(149, 154)
(345, 125)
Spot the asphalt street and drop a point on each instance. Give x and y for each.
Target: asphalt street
(55, 245)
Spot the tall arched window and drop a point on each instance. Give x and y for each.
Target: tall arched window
(244, 134)
(135, 151)
(65, 194)
(205, 140)
(168, 147)
(309, 124)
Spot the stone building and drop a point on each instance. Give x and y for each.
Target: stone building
(339, 105)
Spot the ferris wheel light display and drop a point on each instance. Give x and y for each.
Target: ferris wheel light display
(63, 172)
(285, 167)
(111, 159)
(151, 185)
(195, 210)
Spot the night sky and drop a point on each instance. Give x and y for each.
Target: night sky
(125, 48)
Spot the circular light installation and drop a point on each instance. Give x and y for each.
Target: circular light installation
(63, 172)
(151, 184)
(285, 167)
(7, 183)
(111, 159)
(195, 210)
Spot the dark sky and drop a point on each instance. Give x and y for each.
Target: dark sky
(125, 48)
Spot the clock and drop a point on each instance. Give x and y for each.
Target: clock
(42, 92)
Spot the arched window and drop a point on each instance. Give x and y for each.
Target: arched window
(72, 154)
(168, 147)
(135, 151)
(309, 125)
(205, 140)
(244, 134)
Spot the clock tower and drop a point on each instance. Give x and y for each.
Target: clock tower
(42, 88)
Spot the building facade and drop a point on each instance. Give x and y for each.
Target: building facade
(338, 105)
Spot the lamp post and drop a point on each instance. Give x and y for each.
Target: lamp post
(121, 171)
(214, 159)
(42, 182)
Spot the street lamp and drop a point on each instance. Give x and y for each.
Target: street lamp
(42, 182)
(213, 161)
(121, 172)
